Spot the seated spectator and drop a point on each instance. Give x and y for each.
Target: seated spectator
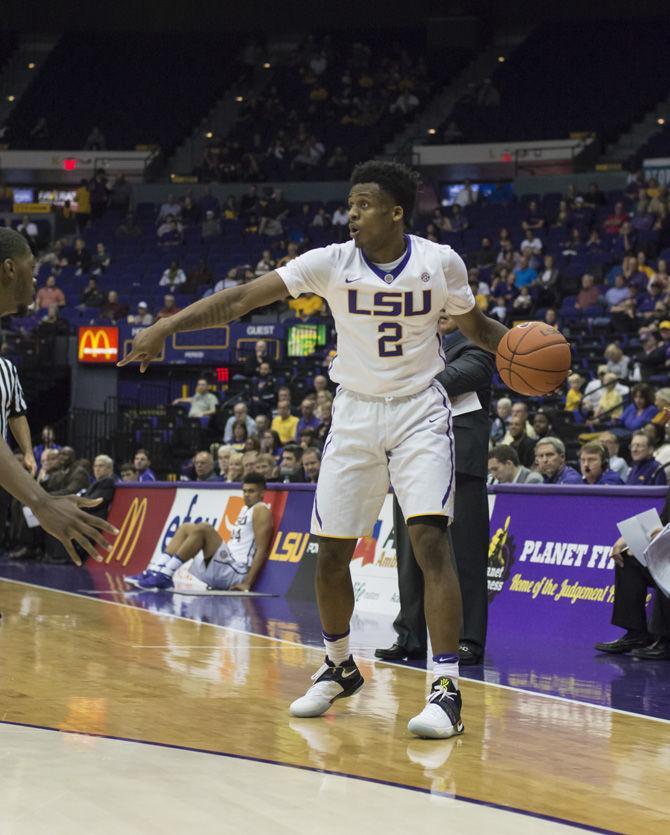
(265, 264)
(311, 464)
(266, 466)
(129, 229)
(520, 410)
(500, 423)
(263, 389)
(270, 443)
(169, 307)
(170, 209)
(113, 309)
(542, 424)
(589, 294)
(172, 277)
(550, 459)
(203, 403)
(198, 277)
(251, 363)
(29, 230)
(641, 410)
(651, 359)
(101, 260)
(338, 162)
(486, 254)
(631, 581)
(594, 391)
(617, 361)
(142, 317)
(523, 303)
(223, 455)
(128, 472)
(308, 419)
(534, 218)
(170, 233)
(531, 243)
(456, 221)
(142, 464)
(524, 274)
(240, 416)
(616, 463)
(613, 222)
(249, 457)
(505, 468)
(190, 212)
(72, 475)
(610, 405)
(594, 465)
(291, 253)
(646, 471)
(49, 294)
(574, 396)
(290, 467)
(81, 257)
(324, 403)
(262, 422)
(91, 295)
(48, 441)
(520, 442)
(52, 325)
(240, 437)
(203, 464)
(285, 424)
(210, 227)
(321, 219)
(235, 468)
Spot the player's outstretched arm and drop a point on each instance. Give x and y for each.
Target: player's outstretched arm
(484, 332)
(61, 516)
(218, 309)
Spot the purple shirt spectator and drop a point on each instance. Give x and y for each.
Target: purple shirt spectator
(632, 420)
(566, 475)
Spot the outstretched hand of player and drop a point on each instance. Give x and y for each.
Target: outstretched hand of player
(63, 518)
(147, 345)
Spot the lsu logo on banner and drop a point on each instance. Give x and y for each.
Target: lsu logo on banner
(98, 344)
(129, 532)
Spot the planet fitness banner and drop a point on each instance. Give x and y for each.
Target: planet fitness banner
(549, 555)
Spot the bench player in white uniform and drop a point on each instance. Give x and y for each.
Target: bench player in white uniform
(232, 565)
(391, 420)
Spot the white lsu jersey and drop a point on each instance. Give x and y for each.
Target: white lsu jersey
(386, 319)
(242, 544)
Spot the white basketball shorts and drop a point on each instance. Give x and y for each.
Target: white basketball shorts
(219, 573)
(407, 442)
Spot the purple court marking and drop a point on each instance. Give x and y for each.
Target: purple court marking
(490, 804)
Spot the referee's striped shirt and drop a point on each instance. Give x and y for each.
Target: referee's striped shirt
(12, 400)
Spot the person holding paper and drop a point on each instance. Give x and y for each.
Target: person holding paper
(467, 380)
(631, 581)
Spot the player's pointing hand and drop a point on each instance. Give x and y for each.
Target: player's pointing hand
(147, 345)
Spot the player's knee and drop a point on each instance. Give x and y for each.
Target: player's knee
(334, 555)
(430, 544)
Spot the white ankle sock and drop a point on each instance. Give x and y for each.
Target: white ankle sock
(337, 647)
(158, 562)
(446, 666)
(171, 566)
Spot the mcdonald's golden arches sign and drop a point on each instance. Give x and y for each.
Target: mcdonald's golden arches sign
(98, 344)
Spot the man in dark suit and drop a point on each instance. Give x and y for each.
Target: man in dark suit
(468, 369)
(101, 488)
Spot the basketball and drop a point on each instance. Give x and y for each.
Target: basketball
(533, 358)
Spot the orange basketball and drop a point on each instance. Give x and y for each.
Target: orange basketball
(533, 358)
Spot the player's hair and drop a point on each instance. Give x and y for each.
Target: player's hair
(12, 244)
(295, 449)
(504, 453)
(596, 448)
(396, 179)
(556, 443)
(254, 478)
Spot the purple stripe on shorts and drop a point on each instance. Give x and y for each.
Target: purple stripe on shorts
(450, 435)
(316, 511)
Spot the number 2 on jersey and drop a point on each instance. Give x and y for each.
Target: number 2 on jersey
(389, 343)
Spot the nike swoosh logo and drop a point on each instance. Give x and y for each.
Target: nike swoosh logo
(351, 280)
(349, 674)
(432, 420)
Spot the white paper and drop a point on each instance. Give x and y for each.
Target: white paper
(637, 531)
(657, 556)
(464, 403)
(31, 520)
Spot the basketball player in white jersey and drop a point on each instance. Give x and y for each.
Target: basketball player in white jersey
(234, 565)
(391, 420)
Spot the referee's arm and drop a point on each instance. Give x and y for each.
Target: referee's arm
(16, 417)
(20, 429)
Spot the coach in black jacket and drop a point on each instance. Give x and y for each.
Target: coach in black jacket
(468, 369)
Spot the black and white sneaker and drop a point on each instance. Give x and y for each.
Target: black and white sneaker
(331, 682)
(441, 717)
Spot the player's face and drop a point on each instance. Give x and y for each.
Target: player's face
(252, 494)
(373, 217)
(16, 283)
